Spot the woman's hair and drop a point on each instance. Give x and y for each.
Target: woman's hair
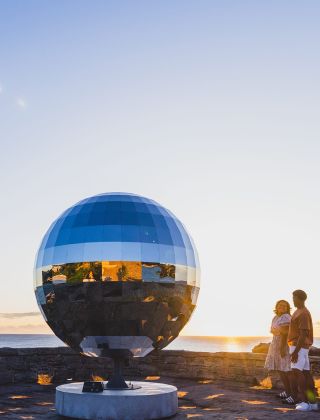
(282, 301)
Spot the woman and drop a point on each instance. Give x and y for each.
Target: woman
(278, 358)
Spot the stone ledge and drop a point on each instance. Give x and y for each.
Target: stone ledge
(30, 365)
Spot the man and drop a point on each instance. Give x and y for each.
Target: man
(300, 339)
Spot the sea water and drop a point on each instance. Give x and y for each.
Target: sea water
(195, 343)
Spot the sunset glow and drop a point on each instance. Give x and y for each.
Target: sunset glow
(214, 114)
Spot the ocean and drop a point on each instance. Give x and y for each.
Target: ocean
(210, 344)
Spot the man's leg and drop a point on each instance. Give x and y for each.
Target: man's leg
(311, 393)
(293, 384)
(301, 384)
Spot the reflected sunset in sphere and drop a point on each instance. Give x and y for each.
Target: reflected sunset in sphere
(119, 273)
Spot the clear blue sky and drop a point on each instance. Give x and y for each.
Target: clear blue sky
(209, 107)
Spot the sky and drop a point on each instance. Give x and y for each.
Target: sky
(210, 108)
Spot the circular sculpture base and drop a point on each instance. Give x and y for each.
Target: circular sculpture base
(150, 401)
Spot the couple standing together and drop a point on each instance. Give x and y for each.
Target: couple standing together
(289, 352)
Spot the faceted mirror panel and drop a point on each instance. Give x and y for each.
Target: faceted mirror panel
(117, 273)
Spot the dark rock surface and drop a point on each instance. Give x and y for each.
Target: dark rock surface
(264, 347)
(261, 348)
(314, 351)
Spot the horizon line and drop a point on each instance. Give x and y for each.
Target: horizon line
(187, 336)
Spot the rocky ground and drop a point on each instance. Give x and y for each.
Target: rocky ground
(197, 399)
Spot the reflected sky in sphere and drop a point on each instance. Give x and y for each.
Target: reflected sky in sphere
(117, 226)
(117, 272)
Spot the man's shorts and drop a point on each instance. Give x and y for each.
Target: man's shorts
(303, 362)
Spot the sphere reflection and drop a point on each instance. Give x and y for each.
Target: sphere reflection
(117, 273)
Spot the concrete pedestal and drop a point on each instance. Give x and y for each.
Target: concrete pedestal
(151, 401)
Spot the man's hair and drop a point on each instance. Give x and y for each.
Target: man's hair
(300, 294)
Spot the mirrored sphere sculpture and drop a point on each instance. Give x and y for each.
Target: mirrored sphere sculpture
(117, 273)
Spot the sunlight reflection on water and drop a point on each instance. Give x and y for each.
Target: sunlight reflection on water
(217, 344)
(206, 344)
